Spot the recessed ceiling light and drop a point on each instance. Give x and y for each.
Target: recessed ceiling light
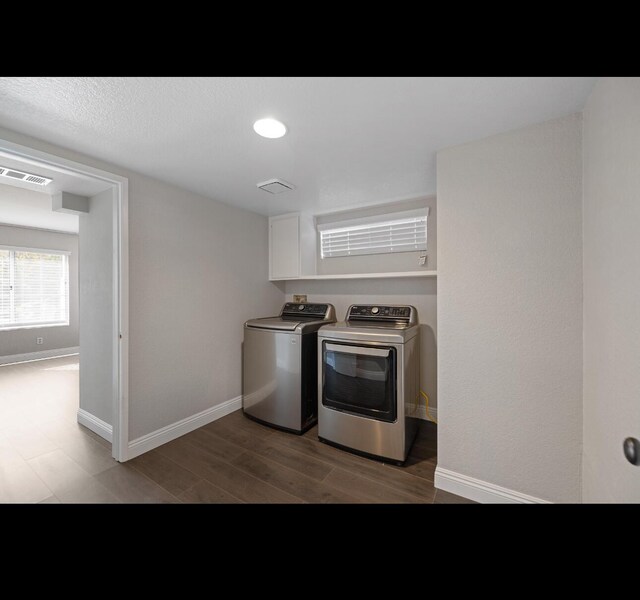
(269, 128)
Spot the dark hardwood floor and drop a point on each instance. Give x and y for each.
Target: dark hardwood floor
(235, 459)
(45, 456)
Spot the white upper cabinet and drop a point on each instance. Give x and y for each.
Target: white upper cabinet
(284, 247)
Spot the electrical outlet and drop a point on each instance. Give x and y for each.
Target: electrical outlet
(299, 297)
(39, 341)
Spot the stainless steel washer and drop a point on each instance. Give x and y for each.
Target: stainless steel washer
(280, 381)
(370, 381)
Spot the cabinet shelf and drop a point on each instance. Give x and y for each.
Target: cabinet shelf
(393, 274)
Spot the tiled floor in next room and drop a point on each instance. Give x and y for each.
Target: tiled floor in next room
(45, 456)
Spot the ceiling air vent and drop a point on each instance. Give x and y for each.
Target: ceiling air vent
(21, 176)
(275, 186)
(35, 179)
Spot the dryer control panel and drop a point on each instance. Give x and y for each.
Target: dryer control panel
(382, 312)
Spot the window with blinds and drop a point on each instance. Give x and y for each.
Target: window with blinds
(34, 288)
(383, 234)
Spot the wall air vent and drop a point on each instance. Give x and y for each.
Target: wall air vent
(275, 186)
(21, 176)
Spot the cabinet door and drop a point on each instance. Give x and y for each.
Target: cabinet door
(284, 245)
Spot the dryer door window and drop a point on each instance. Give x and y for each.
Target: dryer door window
(360, 380)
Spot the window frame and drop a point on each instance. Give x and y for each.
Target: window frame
(67, 276)
(370, 221)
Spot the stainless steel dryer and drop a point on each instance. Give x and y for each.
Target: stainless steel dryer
(369, 381)
(280, 374)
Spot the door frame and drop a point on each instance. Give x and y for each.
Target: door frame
(120, 319)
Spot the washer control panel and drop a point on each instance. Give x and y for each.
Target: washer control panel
(306, 309)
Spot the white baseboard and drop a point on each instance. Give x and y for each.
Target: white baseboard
(56, 353)
(96, 425)
(175, 430)
(480, 491)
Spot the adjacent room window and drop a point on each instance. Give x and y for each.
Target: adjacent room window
(34, 288)
(382, 234)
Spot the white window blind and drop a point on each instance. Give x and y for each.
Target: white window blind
(5, 287)
(399, 232)
(34, 288)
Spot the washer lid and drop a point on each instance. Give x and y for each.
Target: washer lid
(286, 324)
(274, 323)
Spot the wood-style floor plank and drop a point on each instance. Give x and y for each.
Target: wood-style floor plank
(166, 473)
(443, 497)
(374, 470)
(290, 481)
(367, 490)
(204, 492)
(216, 446)
(284, 456)
(238, 420)
(224, 475)
(420, 467)
(18, 481)
(131, 486)
(236, 436)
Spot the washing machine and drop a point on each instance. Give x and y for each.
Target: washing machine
(280, 383)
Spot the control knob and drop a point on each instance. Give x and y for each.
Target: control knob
(375, 310)
(301, 307)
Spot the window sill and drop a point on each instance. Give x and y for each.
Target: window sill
(38, 326)
(393, 274)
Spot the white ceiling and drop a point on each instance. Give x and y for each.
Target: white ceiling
(351, 141)
(29, 208)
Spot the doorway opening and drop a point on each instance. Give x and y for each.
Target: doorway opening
(63, 302)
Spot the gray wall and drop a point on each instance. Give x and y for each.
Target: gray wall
(197, 270)
(96, 307)
(23, 341)
(611, 289)
(510, 309)
(421, 293)
(383, 263)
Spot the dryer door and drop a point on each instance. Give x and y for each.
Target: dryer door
(360, 380)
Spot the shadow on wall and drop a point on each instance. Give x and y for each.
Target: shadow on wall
(429, 364)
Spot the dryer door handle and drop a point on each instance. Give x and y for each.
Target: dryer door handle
(358, 350)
